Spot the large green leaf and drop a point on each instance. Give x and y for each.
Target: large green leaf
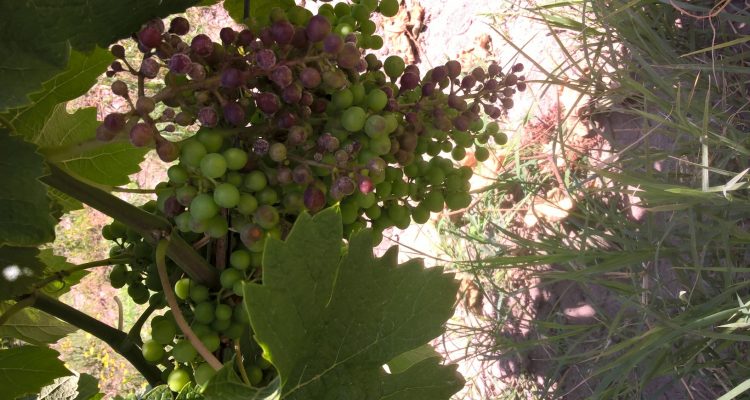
(160, 392)
(69, 140)
(329, 322)
(37, 36)
(28, 369)
(82, 72)
(25, 218)
(259, 10)
(226, 385)
(20, 269)
(74, 387)
(34, 326)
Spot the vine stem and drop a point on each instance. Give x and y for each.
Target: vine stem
(118, 340)
(59, 275)
(161, 267)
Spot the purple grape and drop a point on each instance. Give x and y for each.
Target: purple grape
(282, 76)
(169, 128)
(388, 90)
(411, 68)
(341, 156)
(517, 67)
(114, 122)
(328, 143)
(291, 94)
(493, 69)
(284, 175)
(456, 102)
(508, 92)
(286, 119)
(267, 102)
(428, 89)
(184, 118)
(350, 38)
(310, 77)
(521, 86)
(333, 43)
(149, 37)
(265, 59)
(179, 26)
(231, 78)
(307, 98)
(180, 64)
(361, 66)
(478, 74)
(103, 134)
(468, 82)
(438, 74)
(317, 28)
(227, 35)
(297, 135)
(120, 88)
(453, 68)
(511, 80)
(412, 118)
(150, 68)
(409, 81)
(299, 40)
(507, 103)
(282, 32)
(265, 37)
(261, 146)
(302, 174)
(345, 185)
(167, 115)
(319, 105)
(348, 57)
(335, 79)
(166, 150)
(202, 45)
(142, 134)
(392, 105)
(207, 117)
(197, 72)
(117, 51)
(461, 123)
(365, 185)
(314, 199)
(234, 114)
(245, 37)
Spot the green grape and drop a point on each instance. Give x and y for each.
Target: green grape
(178, 174)
(186, 194)
(152, 351)
(465, 172)
(139, 293)
(500, 138)
(234, 178)
(341, 9)
(353, 119)
(255, 181)
(220, 324)
(182, 288)
(256, 260)
(247, 205)
(458, 153)
(391, 122)
(157, 300)
(223, 311)
(204, 312)
(201, 329)
(374, 42)
(118, 275)
(446, 147)
(349, 211)
(420, 214)
(367, 27)
(182, 222)
(255, 375)
(152, 279)
(476, 125)
(163, 331)
(183, 351)
(394, 65)
(203, 373)
(380, 145)
(238, 288)
(192, 152)
(397, 212)
(434, 201)
(481, 154)
(240, 259)
(492, 128)
(268, 195)
(358, 92)
(376, 126)
(199, 293)
(203, 207)
(370, 4)
(400, 188)
(235, 158)
(374, 212)
(342, 99)
(360, 13)
(383, 189)
(462, 139)
(435, 176)
(226, 195)
(228, 277)
(234, 331)
(213, 165)
(454, 182)
(376, 100)
(365, 200)
(211, 341)
(457, 200)
(239, 314)
(388, 8)
(212, 139)
(178, 378)
(411, 170)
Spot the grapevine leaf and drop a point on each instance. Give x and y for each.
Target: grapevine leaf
(25, 218)
(74, 387)
(69, 139)
(226, 385)
(88, 388)
(38, 36)
(19, 270)
(260, 10)
(33, 326)
(56, 264)
(329, 322)
(160, 392)
(27, 369)
(404, 361)
(81, 73)
(190, 392)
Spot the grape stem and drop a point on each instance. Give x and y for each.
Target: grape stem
(161, 267)
(240, 364)
(60, 275)
(116, 339)
(135, 331)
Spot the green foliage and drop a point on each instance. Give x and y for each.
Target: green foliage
(19, 270)
(74, 387)
(326, 321)
(33, 326)
(25, 218)
(38, 36)
(28, 369)
(259, 9)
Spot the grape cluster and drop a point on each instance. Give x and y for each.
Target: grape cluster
(291, 115)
